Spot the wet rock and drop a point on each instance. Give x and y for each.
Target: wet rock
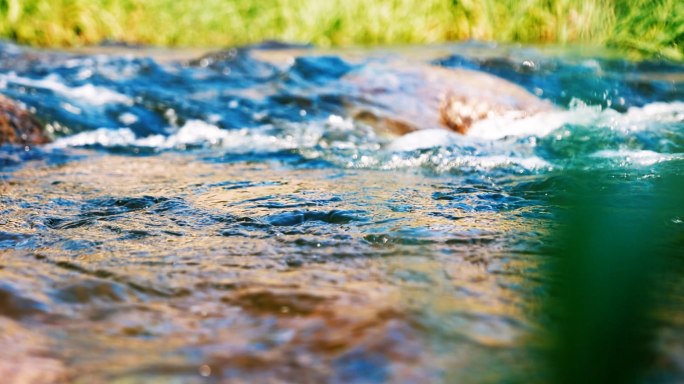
(19, 126)
(402, 97)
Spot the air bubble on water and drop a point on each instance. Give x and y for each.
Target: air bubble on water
(128, 118)
(205, 370)
(84, 74)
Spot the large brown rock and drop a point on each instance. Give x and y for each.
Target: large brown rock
(19, 126)
(403, 97)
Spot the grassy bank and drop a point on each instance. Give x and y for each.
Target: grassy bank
(642, 27)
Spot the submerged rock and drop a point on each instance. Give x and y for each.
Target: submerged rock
(19, 126)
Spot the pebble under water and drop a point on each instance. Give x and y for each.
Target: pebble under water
(221, 218)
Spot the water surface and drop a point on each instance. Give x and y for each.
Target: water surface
(222, 218)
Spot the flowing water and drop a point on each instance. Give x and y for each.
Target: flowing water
(221, 218)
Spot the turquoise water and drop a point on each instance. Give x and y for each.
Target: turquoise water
(223, 218)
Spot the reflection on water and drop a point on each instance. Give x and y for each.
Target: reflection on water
(225, 219)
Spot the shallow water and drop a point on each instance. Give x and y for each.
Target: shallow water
(221, 218)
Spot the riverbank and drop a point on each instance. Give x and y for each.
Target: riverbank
(642, 28)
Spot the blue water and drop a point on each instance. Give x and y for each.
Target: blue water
(224, 212)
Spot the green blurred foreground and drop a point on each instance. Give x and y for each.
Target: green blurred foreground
(641, 27)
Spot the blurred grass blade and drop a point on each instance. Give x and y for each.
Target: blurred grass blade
(613, 244)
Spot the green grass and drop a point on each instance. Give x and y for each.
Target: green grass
(642, 27)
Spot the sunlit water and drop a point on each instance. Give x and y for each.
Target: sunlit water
(221, 218)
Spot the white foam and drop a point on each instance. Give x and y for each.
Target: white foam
(128, 118)
(194, 132)
(640, 157)
(497, 161)
(669, 111)
(86, 93)
(424, 139)
(542, 124)
(538, 125)
(103, 136)
(447, 163)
